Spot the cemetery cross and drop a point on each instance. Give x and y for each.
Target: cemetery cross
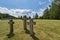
(31, 23)
(11, 28)
(25, 23)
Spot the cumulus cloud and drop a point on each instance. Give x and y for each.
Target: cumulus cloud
(15, 12)
(3, 10)
(20, 12)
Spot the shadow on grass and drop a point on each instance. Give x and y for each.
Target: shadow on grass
(27, 31)
(10, 35)
(34, 37)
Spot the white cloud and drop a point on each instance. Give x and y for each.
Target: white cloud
(40, 12)
(3, 10)
(44, 2)
(41, 3)
(15, 12)
(19, 12)
(49, 0)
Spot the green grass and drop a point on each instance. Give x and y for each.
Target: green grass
(44, 30)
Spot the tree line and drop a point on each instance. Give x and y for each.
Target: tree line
(53, 12)
(6, 16)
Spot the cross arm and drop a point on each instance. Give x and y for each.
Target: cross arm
(34, 23)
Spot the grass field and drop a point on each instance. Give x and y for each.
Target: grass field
(44, 30)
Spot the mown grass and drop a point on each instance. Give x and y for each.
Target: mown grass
(44, 30)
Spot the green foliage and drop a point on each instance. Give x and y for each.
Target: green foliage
(53, 12)
(6, 16)
(36, 16)
(46, 14)
(20, 17)
(29, 17)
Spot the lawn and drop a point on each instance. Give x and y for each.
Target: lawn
(44, 30)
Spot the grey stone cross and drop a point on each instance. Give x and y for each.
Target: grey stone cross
(31, 23)
(11, 28)
(25, 23)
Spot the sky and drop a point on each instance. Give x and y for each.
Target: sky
(24, 7)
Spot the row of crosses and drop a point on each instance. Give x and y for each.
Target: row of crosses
(30, 23)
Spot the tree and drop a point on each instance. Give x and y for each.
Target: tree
(19, 17)
(36, 16)
(46, 14)
(53, 12)
(6, 16)
(29, 17)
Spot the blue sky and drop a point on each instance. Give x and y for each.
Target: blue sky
(33, 5)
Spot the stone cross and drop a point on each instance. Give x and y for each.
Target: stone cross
(11, 28)
(31, 23)
(25, 23)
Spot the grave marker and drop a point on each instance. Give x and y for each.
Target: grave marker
(25, 23)
(31, 23)
(11, 28)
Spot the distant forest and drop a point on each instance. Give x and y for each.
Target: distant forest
(6, 16)
(53, 12)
